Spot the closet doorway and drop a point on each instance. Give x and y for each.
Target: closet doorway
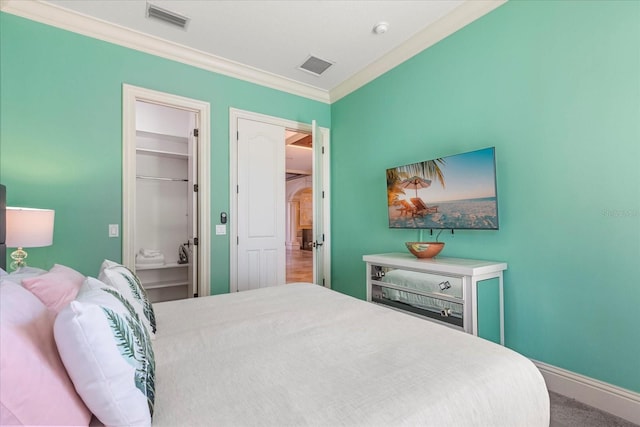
(163, 204)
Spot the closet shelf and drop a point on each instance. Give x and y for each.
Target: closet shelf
(160, 178)
(166, 284)
(162, 153)
(160, 267)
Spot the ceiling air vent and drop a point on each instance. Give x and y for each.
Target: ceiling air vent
(315, 65)
(167, 16)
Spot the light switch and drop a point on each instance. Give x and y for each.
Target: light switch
(114, 230)
(221, 229)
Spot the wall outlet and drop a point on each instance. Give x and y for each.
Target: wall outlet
(114, 230)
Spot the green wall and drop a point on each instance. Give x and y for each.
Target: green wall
(555, 87)
(61, 134)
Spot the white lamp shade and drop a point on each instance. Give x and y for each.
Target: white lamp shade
(29, 228)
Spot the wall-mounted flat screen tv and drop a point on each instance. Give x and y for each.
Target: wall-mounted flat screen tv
(453, 192)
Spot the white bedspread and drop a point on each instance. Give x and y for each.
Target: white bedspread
(299, 355)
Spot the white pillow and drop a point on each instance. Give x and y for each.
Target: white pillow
(107, 264)
(125, 281)
(22, 273)
(107, 353)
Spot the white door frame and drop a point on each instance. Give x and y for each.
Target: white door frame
(234, 115)
(131, 94)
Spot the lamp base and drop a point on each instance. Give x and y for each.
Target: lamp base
(18, 256)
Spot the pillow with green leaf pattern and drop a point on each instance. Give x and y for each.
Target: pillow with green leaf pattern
(125, 281)
(108, 354)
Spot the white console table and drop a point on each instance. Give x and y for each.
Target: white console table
(450, 282)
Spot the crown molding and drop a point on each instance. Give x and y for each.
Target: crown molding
(65, 19)
(461, 16)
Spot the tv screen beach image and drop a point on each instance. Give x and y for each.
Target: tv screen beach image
(454, 192)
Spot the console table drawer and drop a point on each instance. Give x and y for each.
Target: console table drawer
(436, 306)
(424, 282)
(442, 289)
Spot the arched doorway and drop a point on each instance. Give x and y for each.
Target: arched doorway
(299, 230)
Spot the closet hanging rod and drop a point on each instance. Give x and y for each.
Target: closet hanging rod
(158, 178)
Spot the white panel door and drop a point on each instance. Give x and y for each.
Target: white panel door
(318, 206)
(192, 208)
(261, 205)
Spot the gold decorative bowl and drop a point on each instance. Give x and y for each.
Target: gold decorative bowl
(425, 249)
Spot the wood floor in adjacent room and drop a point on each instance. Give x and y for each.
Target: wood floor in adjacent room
(299, 266)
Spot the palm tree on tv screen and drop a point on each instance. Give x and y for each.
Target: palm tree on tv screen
(429, 169)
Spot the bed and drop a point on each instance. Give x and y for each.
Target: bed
(301, 354)
(76, 350)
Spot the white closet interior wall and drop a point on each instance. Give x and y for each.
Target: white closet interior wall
(162, 195)
(161, 204)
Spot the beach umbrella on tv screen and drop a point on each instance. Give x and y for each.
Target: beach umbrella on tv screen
(415, 182)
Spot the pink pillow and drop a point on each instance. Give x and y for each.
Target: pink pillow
(56, 288)
(35, 388)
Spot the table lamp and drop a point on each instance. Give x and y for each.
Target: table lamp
(28, 228)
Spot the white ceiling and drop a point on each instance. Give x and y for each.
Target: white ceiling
(277, 36)
(274, 37)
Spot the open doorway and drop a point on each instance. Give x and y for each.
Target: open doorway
(165, 218)
(258, 212)
(299, 199)
(165, 204)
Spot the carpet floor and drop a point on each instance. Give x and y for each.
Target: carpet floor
(567, 412)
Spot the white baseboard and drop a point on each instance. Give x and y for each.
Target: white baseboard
(606, 397)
